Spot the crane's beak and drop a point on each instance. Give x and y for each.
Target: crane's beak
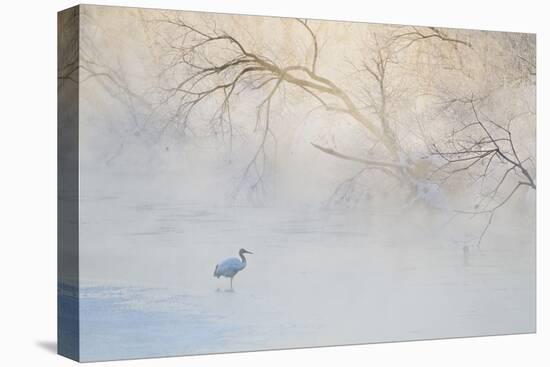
(248, 252)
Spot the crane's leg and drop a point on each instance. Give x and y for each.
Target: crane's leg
(231, 283)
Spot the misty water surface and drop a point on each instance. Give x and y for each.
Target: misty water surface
(317, 277)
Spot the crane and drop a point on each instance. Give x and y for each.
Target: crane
(230, 267)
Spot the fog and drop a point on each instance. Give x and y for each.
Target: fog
(316, 278)
(371, 219)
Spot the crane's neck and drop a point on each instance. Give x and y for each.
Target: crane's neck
(243, 259)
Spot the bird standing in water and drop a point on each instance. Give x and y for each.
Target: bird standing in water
(230, 267)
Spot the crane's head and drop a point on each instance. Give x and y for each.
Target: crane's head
(243, 251)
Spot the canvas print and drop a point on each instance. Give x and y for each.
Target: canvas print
(239, 183)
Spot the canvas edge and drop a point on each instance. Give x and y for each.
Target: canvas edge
(68, 43)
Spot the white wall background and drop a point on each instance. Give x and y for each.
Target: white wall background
(28, 182)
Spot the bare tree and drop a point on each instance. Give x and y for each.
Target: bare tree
(206, 67)
(220, 66)
(485, 151)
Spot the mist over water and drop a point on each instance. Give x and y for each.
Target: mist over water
(317, 277)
